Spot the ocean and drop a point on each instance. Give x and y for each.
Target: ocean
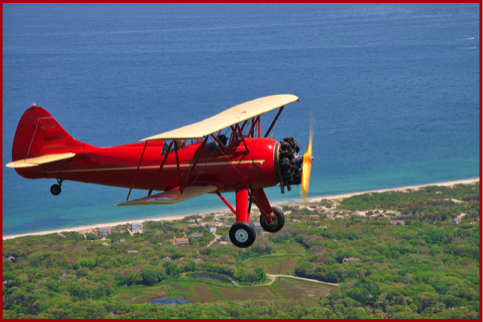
(394, 89)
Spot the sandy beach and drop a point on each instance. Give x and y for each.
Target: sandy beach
(177, 217)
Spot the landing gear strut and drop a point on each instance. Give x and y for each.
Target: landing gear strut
(55, 189)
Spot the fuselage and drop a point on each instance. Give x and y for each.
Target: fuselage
(118, 165)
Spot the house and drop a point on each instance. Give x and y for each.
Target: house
(256, 224)
(196, 235)
(167, 259)
(105, 244)
(112, 313)
(12, 259)
(64, 277)
(4, 282)
(396, 222)
(227, 238)
(350, 259)
(335, 240)
(122, 240)
(180, 241)
(455, 221)
(104, 232)
(212, 229)
(132, 251)
(233, 283)
(137, 227)
(223, 243)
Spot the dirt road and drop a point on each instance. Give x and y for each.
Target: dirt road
(302, 278)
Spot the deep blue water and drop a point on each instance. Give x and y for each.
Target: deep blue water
(393, 87)
(170, 301)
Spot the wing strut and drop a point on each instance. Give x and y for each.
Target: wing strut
(135, 174)
(274, 121)
(161, 167)
(226, 202)
(197, 157)
(234, 130)
(255, 122)
(177, 165)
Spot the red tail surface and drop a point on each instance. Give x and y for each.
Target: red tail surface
(38, 133)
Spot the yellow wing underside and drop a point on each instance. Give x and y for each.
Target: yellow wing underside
(234, 115)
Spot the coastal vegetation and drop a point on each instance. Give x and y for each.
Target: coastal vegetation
(396, 254)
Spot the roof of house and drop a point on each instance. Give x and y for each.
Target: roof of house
(350, 259)
(105, 229)
(180, 240)
(64, 277)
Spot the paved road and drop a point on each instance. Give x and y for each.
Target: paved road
(304, 279)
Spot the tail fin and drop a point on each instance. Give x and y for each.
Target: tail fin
(37, 133)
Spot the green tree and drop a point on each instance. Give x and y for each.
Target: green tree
(150, 276)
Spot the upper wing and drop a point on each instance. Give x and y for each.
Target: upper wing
(32, 162)
(227, 118)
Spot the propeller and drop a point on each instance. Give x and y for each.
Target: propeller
(307, 160)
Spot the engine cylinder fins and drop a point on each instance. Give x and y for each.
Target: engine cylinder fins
(289, 162)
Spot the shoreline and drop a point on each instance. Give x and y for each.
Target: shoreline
(178, 217)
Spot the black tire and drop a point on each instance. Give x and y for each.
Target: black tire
(277, 224)
(55, 190)
(242, 235)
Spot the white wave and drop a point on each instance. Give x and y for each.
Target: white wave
(472, 38)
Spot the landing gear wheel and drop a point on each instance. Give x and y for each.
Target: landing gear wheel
(242, 235)
(275, 225)
(55, 189)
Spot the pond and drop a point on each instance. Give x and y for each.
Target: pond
(212, 276)
(170, 301)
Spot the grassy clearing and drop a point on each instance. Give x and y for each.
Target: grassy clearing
(290, 249)
(202, 292)
(302, 291)
(276, 264)
(141, 294)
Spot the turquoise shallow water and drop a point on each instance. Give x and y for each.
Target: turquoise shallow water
(393, 88)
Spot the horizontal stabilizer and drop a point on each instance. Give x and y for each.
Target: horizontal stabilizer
(32, 162)
(171, 196)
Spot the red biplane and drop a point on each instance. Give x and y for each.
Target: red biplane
(182, 163)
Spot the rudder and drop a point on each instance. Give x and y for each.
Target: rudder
(37, 133)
